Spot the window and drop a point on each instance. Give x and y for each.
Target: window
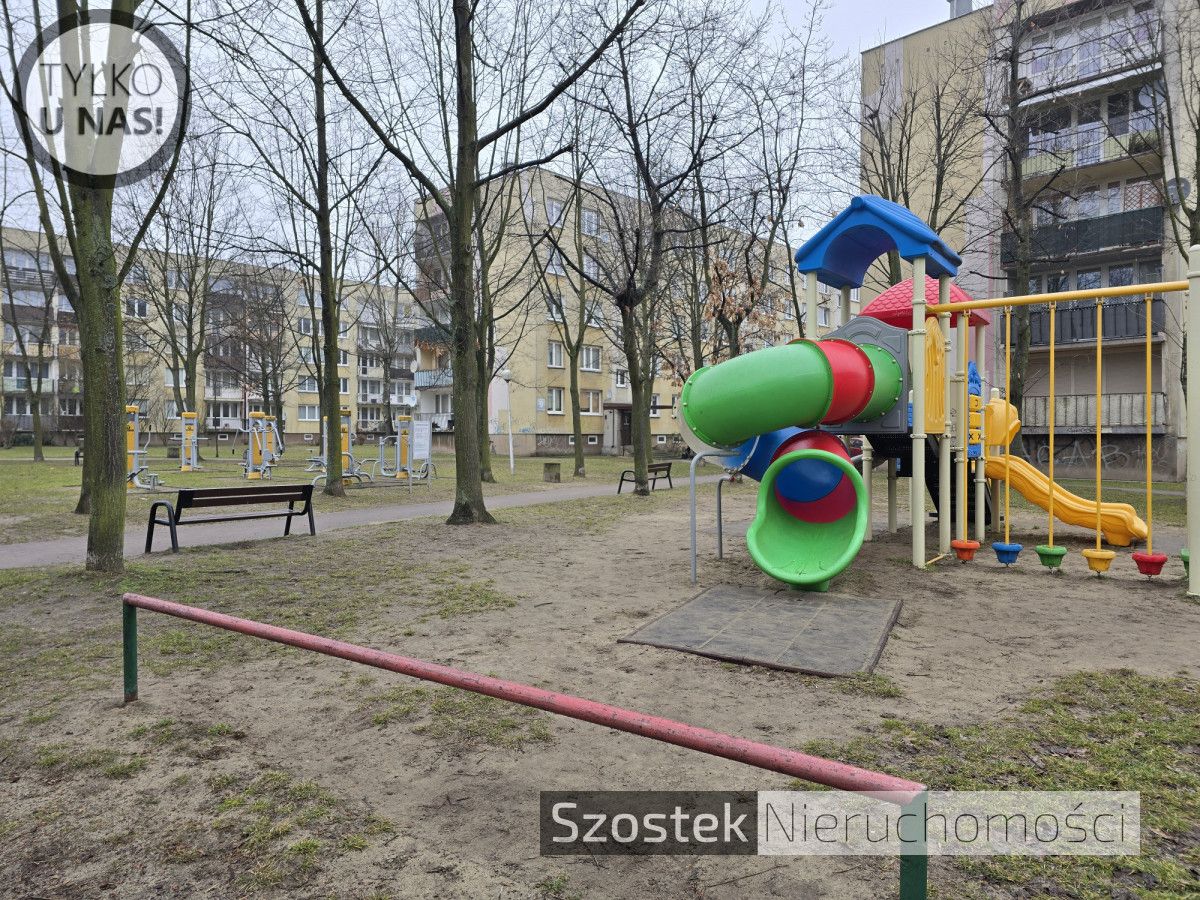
(554, 212)
(1121, 276)
(589, 360)
(554, 401)
(662, 438)
(343, 357)
(554, 356)
(1140, 194)
(68, 336)
(654, 406)
(368, 336)
(443, 403)
(307, 355)
(593, 439)
(822, 315)
(554, 308)
(571, 440)
(135, 308)
(172, 410)
(1115, 196)
(1087, 206)
(1118, 114)
(591, 222)
(591, 268)
(370, 390)
(70, 406)
(307, 385)
(175, 378)
(308, 412)
(554, 264)
(589, 403)
(367, 363)
(622, 378)
(595, 315)
(1087, 279)
(305, 326)
(343, 385)
(135, 340)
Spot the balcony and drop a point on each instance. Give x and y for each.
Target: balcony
(19, 384)
(1076, 413)
(433, 378)
(1075, 322)
(1135, 228)
(212, 392)
(1087, 148)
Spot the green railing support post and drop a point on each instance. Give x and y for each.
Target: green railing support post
(914, 862)
(129, 649)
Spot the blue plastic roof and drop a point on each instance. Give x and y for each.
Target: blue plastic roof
(841, 252)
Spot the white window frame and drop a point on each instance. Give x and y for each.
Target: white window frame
(595, 408)
(307, 385)
(622, 378)
(554, 401)
(654, 412)
(314, 408)
(585, 364)
(552, 355)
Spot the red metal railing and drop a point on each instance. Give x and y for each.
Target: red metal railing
(714, 743)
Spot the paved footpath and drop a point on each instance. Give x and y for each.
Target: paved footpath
(73, 549)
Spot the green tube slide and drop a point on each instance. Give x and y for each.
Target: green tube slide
(759, 392)
(888, 380)
(805, 554)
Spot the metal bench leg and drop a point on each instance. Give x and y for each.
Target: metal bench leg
(312, 526)
(287, 529)
(150, 531)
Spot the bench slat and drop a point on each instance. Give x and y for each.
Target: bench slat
(237, 500)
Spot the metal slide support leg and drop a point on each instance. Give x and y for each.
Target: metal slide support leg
(868, 469)
(129, 653)
(893, 478)
(692, 492)
(944, 475)
(980, 501)
(916, 365)
(720, 535)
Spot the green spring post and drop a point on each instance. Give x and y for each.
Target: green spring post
(129, 649)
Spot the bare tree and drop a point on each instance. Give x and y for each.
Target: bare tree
(77, 219)
(31, 313)
(440, 119)
(188, 250)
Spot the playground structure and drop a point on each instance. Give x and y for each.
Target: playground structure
(137, 453)
(352, 467)
(911, 380)
(910, 796)
(407, 453)
(189, 443)
(264, 447)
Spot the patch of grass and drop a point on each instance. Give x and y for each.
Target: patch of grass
(557, 886)
(861, 684)
(473, 719)
(354, 842)
(399, 704)
(468, 598)
(1091, 731)
(63, 759)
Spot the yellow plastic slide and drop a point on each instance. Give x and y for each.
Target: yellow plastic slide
(1119, 522)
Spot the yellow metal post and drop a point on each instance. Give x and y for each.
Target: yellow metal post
(944, 475)
(1191, 331)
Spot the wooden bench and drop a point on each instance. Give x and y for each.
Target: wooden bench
(654, 471)
(251, 495)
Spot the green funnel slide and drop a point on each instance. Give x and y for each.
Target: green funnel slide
(798, 552)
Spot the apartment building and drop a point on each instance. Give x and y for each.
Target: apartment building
(1092, 166)
(548, 303)
(260, 350)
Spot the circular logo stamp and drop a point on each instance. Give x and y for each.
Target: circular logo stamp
(103, 97)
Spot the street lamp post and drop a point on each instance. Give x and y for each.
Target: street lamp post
(506, 374)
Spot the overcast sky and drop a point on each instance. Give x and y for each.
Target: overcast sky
(855, 25)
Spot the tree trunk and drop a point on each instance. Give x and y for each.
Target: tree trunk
(640, 411)
(576, 418)
(35, 415)
(468, 489)
(102, 362)
(331, 401)
(485, 436)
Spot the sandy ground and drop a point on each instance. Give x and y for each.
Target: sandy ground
(970, 642)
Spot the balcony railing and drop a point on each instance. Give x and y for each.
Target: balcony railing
(1076, 413)
(212, 392)
(431, 378)
(1135, 228)
(1075, 323)
(1086, 148)
(19, 384)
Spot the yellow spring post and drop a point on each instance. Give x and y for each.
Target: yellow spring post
(1099, 559)
(964, 547)
(1051, 557)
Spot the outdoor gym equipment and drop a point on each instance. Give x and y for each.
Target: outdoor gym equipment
(189, 447)
(405, 454)
(352, 467)
(264, 447)
(909, 795)
(136, 453)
